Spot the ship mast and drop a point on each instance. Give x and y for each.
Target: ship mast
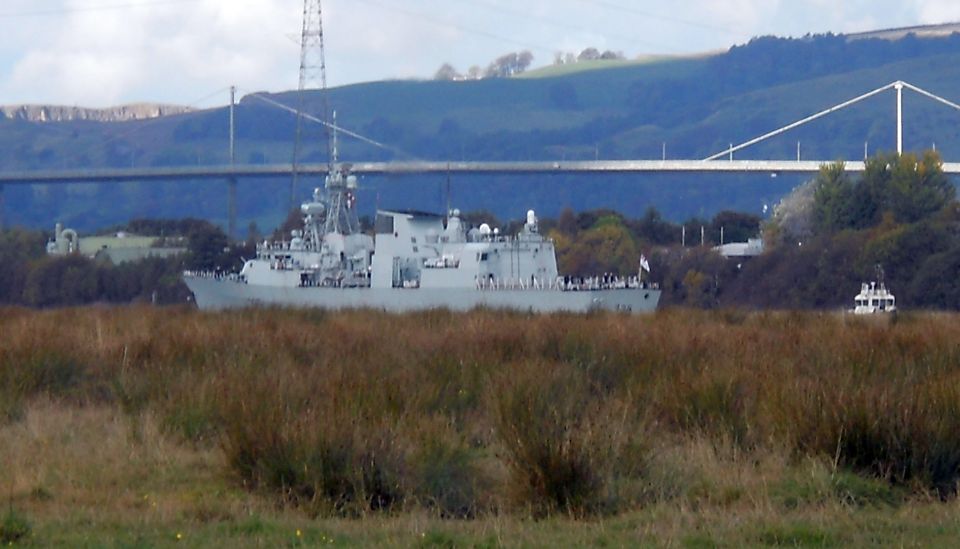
(339, 186)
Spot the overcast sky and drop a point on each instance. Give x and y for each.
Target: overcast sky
(107, 52)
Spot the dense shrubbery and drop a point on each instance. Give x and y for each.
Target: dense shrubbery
(900, 214)
(359, 412)
(29, 277)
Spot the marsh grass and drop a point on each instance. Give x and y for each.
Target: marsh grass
(567, 450)
(14, 527)
(461, 415)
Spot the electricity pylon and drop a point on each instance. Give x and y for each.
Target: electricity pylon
(313, 76)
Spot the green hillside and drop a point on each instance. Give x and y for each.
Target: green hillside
(628, 110)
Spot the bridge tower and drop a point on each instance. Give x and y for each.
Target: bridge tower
(313, 76)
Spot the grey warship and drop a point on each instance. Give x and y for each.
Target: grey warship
(415, 261)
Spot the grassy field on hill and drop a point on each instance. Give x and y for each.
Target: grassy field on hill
(152, 427)
(567, 69)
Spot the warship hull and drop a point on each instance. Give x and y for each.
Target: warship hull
(216, 294)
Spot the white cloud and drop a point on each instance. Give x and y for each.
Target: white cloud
(179, 51)
(938, 11)
(164, 52)
(748, 16)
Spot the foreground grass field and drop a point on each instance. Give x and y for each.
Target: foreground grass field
(151, 427)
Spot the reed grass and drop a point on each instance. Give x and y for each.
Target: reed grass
(353, 413)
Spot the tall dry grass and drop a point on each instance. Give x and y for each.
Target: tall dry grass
(359, 412)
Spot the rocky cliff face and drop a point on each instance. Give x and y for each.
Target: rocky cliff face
(924, 31)
(124, 113)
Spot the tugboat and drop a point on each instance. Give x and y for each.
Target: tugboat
(874, 297)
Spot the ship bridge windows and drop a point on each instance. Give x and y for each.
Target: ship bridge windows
(482, 256)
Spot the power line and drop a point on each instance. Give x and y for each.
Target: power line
(422, 17)
(447, 24)
(560, 24)
(665, 18)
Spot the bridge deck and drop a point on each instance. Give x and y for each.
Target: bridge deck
(409, 168)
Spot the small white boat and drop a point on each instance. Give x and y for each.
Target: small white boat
(874, 297)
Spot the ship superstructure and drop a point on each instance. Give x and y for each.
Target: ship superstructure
(417, 250)
(330, 251)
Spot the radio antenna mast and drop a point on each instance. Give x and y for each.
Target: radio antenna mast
(313, 76)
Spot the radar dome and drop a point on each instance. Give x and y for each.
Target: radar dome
(531, 217)
(315, 209)
(484, 230)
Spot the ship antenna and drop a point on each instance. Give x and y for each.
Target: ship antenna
(335, 154)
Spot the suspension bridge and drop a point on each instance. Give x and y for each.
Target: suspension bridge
(722, 162)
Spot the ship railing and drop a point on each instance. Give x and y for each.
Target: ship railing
(533, 238)
(442, 263)
(565, 283)
(533, 283)
(273, 246)
(357, 279)
(603, 282)
(269, 246)
(214, 275)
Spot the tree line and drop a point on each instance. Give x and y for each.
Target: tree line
(30, 277)
(514, 63)
(827, 238)
(505, 66)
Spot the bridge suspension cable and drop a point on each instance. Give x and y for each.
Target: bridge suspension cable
(929, 95)
(798, 123)
(344, 131)
(899, 85)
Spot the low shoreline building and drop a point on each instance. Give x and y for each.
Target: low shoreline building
(118, 248)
